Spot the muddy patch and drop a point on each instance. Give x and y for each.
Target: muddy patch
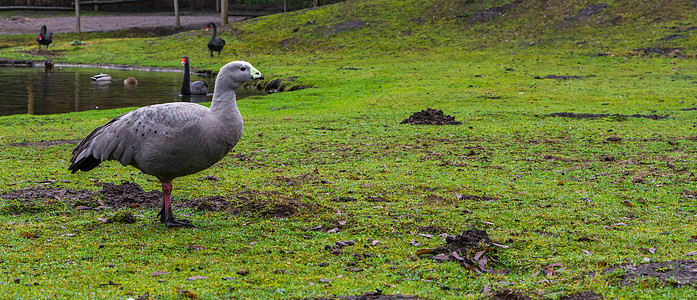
(561, 77)
(677, 272)
(675, 52)
(584, 14)
(472, 249)
(44, 144)
(350, 24)
(36, 200)
(279, 85)
(588, 295)
(129, 194)
(672, 37)
(430, 116)
(509, 295)
(377, 295)
(489, 14)
(618, 116)
(274, 205)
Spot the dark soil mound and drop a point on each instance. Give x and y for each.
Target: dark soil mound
(430, 116)
(377, 295)
(590, 116)
(509, 295)
(473, 238)
(662, 51)
(472, 249)
(563, 77)
(584, 14)
(491, 13)
(589, 295)
(679, 272)
(129, 194)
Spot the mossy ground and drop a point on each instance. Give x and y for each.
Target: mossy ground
(584, 193)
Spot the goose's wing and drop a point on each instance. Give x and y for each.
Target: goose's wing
(122, 138)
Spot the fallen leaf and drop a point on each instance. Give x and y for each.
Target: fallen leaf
(374, 242)
(652, 250)
(429, 236)
(196, 277)
(354, 269)
(691, 253)
(318, 227)
(196, 247)
(441, 257)
(187, 294)
(457, 256)
(482, 263)
(414, 243)
(160, 273)
(586, 252)
(424, 251)
(627, 203)
(82, 207)
(28, 235)
(487, 290)
(242, 272)
(479, 254)
(330, 279)
(500, 246)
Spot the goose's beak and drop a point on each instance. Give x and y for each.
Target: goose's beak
(255, 73)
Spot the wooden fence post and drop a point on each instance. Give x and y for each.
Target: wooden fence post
(223, 12)
(176, 12)
(77, 15)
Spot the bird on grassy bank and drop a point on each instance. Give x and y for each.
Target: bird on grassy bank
(44, 38)
(101, 78)
(173, 139)
(192, 88)
(215, 43)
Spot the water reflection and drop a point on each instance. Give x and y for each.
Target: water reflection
(69, 89)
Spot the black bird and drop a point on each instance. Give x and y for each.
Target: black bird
(215, 43)
(44, 38)
(192, 88)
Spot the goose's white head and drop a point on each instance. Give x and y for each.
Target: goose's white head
(236, 73)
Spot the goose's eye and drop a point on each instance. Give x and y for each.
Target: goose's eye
(243, 69)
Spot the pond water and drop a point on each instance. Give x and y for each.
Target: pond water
(27, 90)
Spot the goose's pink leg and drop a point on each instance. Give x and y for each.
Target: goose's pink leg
(166, 215)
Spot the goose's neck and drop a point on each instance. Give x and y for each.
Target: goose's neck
(224, 104)
(185, 85)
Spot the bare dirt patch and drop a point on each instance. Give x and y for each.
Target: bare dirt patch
(619, 116)
(430, 116)
(677, 272)
(377, 295)
(273, 204)
(43, 144)
(675, 52)
(562, 77)
(129, 194)
(489, 14)
(584, 14)
(472, 249)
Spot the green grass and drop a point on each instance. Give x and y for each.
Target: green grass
(557, 185)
